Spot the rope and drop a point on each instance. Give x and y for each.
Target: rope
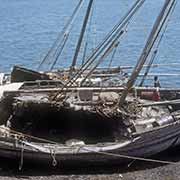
(15, 133)
(19, 134)
(104, 55)
(116, 47)
(99, 49)
(22, 157)
(113, 55)
(166, 21)
(132, 157)
(66, 28)
(154, 34)
(61, 47)
(53, 155)
(54, 162)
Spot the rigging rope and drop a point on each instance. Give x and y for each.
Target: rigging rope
(111, 36)
(60, 51)
(101, 47)
(115, 49)
(62, 34)
(15, 133)
(106, 53)
(131, 157)
(113, 55)
(166, 21)
(157, 27)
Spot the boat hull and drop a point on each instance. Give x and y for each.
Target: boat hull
(145, 145)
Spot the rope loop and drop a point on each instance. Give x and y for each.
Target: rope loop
(53, 155)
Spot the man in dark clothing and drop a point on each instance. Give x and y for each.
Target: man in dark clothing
(156, 82)
(156, 93)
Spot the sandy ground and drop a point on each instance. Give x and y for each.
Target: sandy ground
(136, 171)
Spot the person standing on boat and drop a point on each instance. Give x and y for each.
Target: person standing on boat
(156, 93)
(156, 82)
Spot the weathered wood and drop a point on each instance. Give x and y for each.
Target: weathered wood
(147, 48)
(21, 74)
(94, 89)
(177, 101)
(83, 29)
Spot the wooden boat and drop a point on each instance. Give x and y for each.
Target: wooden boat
(143, 145)
(87, 127)
(88, 135)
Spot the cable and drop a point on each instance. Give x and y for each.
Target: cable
(131, 157)
(97, 152)
(108, 39)
(62, 33)
(105, 54)
(166, 21)
(157, 27)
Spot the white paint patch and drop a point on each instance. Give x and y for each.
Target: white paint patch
(9, 87)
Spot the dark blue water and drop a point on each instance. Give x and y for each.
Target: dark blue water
(29, 28)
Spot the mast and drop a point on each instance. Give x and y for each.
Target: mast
(102, 47)
(149, 44)
(109, 38)
(81, 36)
(61, 39)
(166, 20)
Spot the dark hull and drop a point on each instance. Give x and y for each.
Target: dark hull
(145, 145)
(20, 74)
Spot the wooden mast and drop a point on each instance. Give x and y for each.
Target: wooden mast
(149, 44)
(61, 39)
(81, 36)
(165, 21)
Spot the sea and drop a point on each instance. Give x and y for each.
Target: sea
(28, 29)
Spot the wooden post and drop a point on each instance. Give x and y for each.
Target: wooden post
(81, 36)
